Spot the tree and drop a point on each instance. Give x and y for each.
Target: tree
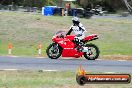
(111, 5)
(116, 4)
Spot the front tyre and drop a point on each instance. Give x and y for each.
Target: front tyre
(54, 51)
(93, 52)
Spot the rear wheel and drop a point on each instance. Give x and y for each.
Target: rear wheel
(54, 51)
(93, 52)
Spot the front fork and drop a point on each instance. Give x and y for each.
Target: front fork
(55, 47)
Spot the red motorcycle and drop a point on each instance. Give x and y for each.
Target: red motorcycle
(64, 46)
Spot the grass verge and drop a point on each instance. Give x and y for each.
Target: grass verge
(26, 30)
(39, 79)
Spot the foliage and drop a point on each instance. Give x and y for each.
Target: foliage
(109, 4)
(30, 3)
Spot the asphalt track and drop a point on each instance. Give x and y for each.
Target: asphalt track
(29, 63)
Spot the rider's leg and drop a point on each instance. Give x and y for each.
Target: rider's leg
(78, 41)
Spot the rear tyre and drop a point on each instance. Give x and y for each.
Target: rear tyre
(93, 52)
(54, 51)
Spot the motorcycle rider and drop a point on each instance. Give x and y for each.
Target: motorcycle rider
(78, 30)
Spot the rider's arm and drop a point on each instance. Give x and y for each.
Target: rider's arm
(81, 27)
(69, 32)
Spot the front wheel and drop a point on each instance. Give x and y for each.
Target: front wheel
(54, 51)
(93, 52)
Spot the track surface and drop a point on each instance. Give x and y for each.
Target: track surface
(24, 63)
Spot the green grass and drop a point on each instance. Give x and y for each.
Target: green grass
(39, 79)
(34, 79)
(27, 30)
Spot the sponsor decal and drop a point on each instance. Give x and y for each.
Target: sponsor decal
(68, 48)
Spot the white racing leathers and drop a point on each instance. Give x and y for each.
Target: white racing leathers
(78, 31)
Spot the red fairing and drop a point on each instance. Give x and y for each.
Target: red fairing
(70, 37)
(71, 53)
(90, 37)
(68, 46)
